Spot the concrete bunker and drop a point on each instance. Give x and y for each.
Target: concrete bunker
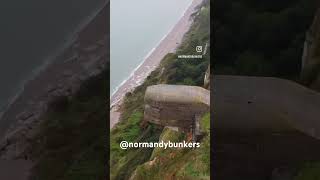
(177, 106)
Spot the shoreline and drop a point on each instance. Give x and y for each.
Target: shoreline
(148, 54)
(167, 44)
(68, 41)
(84, 57)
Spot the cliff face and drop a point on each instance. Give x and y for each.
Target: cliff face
(311, 55)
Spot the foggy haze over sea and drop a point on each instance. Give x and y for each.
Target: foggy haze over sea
(136, 28)
(31, 31)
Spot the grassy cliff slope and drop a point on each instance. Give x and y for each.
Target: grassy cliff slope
(171, 71)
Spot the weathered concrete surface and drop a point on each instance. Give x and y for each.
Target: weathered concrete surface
(175, 105)
(265, 104)
(263, 127)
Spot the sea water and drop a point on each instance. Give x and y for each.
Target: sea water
(30, 32)
(136, 29)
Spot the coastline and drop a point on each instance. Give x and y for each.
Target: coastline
(167, 44)
(71, 38)
(84, 56)
(148, 54)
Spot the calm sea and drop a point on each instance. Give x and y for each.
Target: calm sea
(30, 32)
(136, 28)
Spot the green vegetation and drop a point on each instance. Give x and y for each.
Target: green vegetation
(309, 172)
(191, 71)
(167, 135)
(124, 161)
(70, 143)
(205, 123)
(181, 163)
(261, 38)
(172, 70)
(199, 166)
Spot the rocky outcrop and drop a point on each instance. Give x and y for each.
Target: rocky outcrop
(84, 58)
(175, 105)
(311, 55)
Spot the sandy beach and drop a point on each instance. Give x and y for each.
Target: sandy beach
(167, 45)
(85, 57)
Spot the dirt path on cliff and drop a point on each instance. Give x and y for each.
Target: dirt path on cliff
(255, 103)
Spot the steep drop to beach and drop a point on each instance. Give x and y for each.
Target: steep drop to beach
(167, 45)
